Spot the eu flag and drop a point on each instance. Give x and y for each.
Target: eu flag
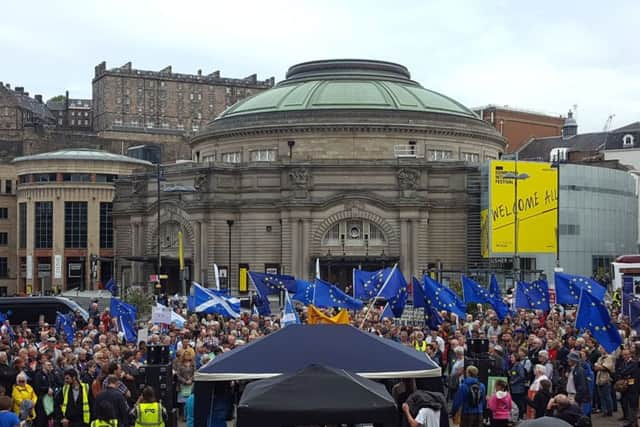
(418, 293)
(64, 323)
(327, 295)
(367, 284)
(394, 290)
(501, 308)
(304, 292)
(473, 292)
(594, 316)
(126, 314)
(533, 296)
(387, 312)
(443, 298)
(267, 284)
(112, 287)
(568, 288)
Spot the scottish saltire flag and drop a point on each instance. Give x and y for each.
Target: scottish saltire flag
(387, 312)
(255, 310)
(497, 302)
(631, 308)
(211, 301)
(304, 292)
(126, 314)
(533, 296)
(64, 323)
(327, 295)
(473, 292)
(289, 314)
(367, 284)
(443, 298)
(593, 315)
(112, 287)
(568, 288)
(418, 293)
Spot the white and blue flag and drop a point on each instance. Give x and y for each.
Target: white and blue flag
(289, 314)
(203, 300)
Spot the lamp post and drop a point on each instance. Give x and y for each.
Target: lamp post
(159, 259)
(230, 224)
(515, 176)
(556, 162)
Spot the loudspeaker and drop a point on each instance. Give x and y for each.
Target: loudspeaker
(158, 354)
(479, 346)
(160, 378)
(485, 365)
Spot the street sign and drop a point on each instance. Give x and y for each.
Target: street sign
(164, 276)
(157, 278)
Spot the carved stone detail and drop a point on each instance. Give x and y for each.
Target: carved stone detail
(408, 179)
(299, 178)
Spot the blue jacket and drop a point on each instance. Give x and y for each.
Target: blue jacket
(518, 379)
(462, 397)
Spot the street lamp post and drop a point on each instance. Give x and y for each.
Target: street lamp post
(556, 162)
(159, 259)
(230, 224)
(516, 177)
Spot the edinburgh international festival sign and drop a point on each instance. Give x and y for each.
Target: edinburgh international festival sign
(537, 204)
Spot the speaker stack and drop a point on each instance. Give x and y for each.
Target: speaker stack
(158, 374)
(478, 355)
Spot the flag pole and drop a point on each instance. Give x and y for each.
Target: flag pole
(378, 295)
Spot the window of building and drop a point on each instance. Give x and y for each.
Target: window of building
(234, 157)
(627, 140)
(4, 213)
(76, 177)
(570, 229)
(195, 128)
(43, 225)
(4, 238)
(102, 177)
(436, 155)
(24, 179)
(209, 158)
(268, 155)
(75, 224)
(8, 186)
(4, 268)
(354, 233)
(106, 225)
(471, 157)
(22, 225)
(73, 122)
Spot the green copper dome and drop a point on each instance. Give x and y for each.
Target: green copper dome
(348, 84)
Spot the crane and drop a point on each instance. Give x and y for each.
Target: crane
(607, 124)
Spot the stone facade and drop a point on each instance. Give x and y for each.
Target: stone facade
(8, 228)
(352, 185)
(135, 100)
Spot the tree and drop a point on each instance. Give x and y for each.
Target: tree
(58, 98)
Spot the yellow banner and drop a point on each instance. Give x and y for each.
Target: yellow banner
(315, 317)
(243, 286)
(180, 251)
(536, 192)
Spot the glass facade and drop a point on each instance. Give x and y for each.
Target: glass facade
(75, 224)
(43, 225)
(598, 219)
(106, 225)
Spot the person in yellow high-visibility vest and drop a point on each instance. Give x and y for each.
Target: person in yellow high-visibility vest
(75, 401)
(148, 412)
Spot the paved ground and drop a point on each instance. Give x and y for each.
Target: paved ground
(597, 420)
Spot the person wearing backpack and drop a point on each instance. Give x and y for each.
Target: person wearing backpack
(470, 399)
(500, 405)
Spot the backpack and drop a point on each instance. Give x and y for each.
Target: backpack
(583, 421)
(475, 395)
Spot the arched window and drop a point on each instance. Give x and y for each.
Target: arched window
(627, 140)
(354, 232)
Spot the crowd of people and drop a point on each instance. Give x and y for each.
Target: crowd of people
(542, 364)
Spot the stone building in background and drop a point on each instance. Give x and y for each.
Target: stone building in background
(348, 161)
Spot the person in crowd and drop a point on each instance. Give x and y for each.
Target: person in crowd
(7, 417)
(605, 368)
(148, 412)
(105, 415)
(577, 382)
(540, 399)
(45, 384)
(75, 402)
(561, 406)
(628, 386)
(518, 382)
(500, 405)
(24, 398)
(535, 386)
(470, 399)
(111, 394)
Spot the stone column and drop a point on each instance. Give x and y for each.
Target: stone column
(306, 248)
(404, 246)
(295, 246)
(413, 270)
(196, 255)
(204, 263)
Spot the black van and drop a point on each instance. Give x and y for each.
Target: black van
(19, 309)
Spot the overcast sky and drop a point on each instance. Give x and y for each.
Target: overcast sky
(543, 55)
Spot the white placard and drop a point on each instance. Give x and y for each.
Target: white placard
(143, 335)
(161, 314)
(57, 267)
(29, 267)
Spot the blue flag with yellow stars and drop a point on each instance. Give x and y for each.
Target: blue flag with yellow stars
(443, 298)
(501, 308)
(568, 287)
(473, 292)
(367, 284)
(304, 292)
(327, 295)
(272, 283)
(533, 296)
(593, 315)
(419, 298)
(395, 292)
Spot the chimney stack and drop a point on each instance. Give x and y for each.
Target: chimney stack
(19, 89)
(38, 98)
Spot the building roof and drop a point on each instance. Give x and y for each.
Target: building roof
(81, 154)
(352, 84)
(632, 127)
(540, 148)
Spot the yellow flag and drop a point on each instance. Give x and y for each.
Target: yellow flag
(315, 317)
(180, 250)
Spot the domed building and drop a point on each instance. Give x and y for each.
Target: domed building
(346, 161)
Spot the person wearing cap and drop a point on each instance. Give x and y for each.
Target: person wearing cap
(577, 386)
